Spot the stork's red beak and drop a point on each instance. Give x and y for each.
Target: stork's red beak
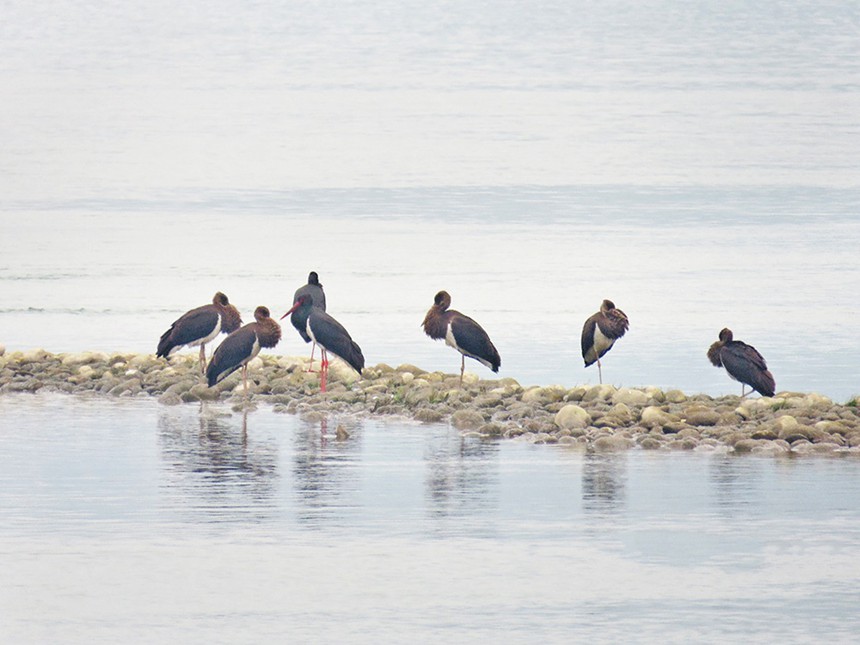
(295, 306)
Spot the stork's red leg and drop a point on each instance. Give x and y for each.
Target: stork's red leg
(323, 370)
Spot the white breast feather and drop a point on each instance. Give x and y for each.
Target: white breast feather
(601, 341)
(450, 341)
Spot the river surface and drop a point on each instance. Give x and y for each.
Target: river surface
(126, 521)
(697, 163)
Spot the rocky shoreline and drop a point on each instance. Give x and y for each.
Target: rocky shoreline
(598, 417)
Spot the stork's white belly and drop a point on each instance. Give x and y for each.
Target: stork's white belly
(449, 339)
(310, 331)
(602, 342)
(255, 349)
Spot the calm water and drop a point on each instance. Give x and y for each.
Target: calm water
(120, 519)
(697, 164)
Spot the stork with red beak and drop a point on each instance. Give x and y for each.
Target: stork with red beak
(329, 334)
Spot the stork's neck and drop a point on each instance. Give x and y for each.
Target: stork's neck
(268, 332)
(436, 322)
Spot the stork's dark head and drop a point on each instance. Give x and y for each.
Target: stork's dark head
(303, 301)
(726, 335)
(261, 313)
(313, 278)
(442, 300)
(220, 299)
(607, 305)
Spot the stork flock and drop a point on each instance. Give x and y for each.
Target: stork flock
(308, 315)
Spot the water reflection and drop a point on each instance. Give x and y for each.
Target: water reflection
(212, 469)
(603, 482)
(735, 484)
(325, 475)
(462, 477)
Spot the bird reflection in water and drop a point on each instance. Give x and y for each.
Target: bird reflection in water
(604, 478)
(462, 477)
(736, 486)
(325, 473)
(212, 468)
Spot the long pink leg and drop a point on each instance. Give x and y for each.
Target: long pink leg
(245, 379)
(323, 369)
(462, 368)
(203, 358)
(311, 366)
(599, 372)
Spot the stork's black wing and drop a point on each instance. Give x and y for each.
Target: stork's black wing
(329, 333)
(474, 341)
(587, 340)
(191, 326)
(746, 365)
(236, 349)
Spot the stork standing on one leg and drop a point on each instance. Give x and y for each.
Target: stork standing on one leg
(600, 332)
(240, 347)
(460, 332)
(315, 290)
(743, 363)
(329, 334)
(199, 326)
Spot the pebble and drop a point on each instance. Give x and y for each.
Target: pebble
(467, 419)
(700, 415)
(630, 397)
(583, 417)
(653, 417)
(572, 416)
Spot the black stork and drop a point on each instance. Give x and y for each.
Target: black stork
(329, 334)
(240, 347)
(743, 363)
(199, 326)
(600, 332)
(314, 290)
(460, 332)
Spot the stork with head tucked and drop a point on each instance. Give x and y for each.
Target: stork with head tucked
(199, 326)
(600, 332)
(460, 332)
(743, 363)
(240, 347)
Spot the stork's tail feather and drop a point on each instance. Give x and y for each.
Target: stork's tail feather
(355, 358)
(165, 344)
(216, 373)
(765, 385)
